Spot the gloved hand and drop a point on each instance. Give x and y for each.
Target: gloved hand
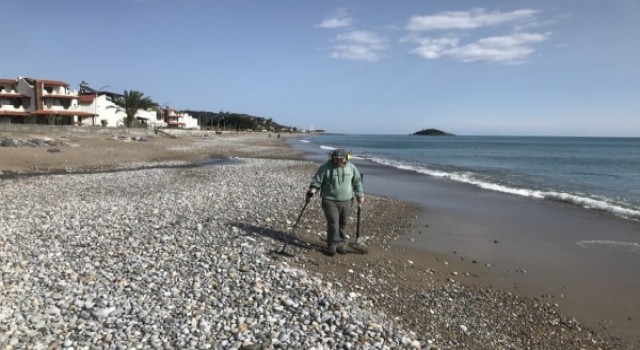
(310, 194)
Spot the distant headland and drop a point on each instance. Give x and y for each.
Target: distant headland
(432, 132)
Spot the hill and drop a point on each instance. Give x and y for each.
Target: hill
(432, 132)
(237, 121)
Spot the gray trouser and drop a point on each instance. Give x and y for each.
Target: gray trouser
(337, 215)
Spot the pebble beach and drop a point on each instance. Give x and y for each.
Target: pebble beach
(165, 254)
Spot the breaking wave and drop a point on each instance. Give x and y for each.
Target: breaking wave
(600, 204)
(610, 246)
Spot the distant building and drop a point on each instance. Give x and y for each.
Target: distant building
(108, 114)
(152, 118)
(39, 101)
(100, 105)
(175, 119)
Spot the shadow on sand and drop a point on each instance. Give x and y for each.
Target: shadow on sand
(288, 239)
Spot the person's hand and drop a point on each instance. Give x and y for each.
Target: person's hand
(360, 200)
(310, 194)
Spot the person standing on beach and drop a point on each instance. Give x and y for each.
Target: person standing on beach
(338, 181)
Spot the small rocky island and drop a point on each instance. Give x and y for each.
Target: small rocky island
(432, 132)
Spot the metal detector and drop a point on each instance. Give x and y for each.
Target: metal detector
(356, 246)
(286, 243)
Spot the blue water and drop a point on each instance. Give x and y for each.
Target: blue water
(595, 173)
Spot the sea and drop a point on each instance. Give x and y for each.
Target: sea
(595, 173)
(557, 218)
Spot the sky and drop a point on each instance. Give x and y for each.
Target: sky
(469, 67)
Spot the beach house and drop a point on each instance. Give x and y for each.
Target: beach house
(39, 101)
(108, 114)
(100, 104)
(13, 105)
(175, 119)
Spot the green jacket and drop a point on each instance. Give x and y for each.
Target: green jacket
(338, 183)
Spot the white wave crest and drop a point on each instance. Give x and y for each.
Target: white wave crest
(331, 148)
(611, 246)
(469, 178)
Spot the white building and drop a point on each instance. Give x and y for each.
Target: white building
(39, 101)
(151, 117)
(175, 119)
(108, 114)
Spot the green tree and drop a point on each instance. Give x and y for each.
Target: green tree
(131, 102)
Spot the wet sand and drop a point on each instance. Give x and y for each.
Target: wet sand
(525, 246)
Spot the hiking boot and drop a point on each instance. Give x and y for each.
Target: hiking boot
(341, 249)
(330, 251)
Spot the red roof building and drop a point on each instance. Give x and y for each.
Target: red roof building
(39, 101)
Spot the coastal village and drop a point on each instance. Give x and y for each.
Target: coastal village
(53, 102)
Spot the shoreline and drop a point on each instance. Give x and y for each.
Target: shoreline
(521, 253)
(523, 246)
(411, 280)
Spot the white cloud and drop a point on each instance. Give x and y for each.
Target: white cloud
(472, 19)
(355, 53)
(505, 49)
(363, 37)
(339, 19)
(463, 41)
(359, 46)
(511, 49)
(433, 48)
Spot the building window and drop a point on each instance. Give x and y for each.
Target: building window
(48, 89)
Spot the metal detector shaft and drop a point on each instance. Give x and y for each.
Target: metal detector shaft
(306, 202)
(301, 212)
(358, 222)
(359, 213)
(356, 246)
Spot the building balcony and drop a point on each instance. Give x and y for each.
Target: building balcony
(59, 108)
(62, 112)
(65, 95)
(14, 113)
(11, 108)
(12, 94)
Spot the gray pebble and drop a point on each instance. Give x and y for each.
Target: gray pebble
(140, 259)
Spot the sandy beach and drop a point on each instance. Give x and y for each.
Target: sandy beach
(432, 300)
(538, 249)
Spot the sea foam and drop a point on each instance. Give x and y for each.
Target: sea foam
(600, 204)
(611, 246)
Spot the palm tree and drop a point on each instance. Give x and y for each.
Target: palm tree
(131, 102)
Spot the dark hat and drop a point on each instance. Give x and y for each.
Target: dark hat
(340, 153)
